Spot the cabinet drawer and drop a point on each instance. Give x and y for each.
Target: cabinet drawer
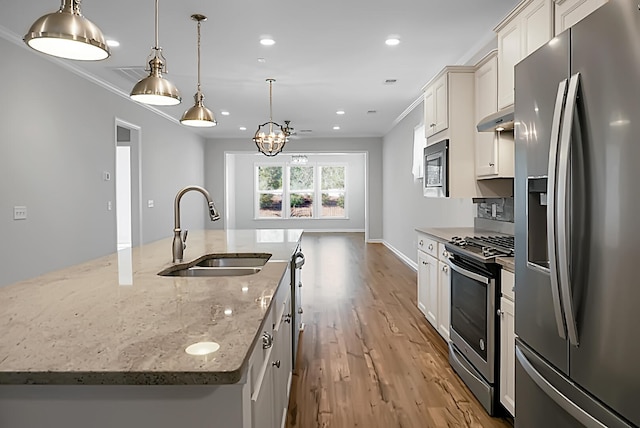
(507, 284)
(428, 245)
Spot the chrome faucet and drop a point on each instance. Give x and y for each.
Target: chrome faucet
(180, 239)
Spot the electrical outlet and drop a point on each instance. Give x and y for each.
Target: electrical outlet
(108, 205)
(494, 210)
(150, 203)
(19, 213)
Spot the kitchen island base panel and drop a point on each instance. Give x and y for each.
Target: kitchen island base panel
(103, 406)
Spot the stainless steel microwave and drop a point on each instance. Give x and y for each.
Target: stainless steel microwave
(436, 169)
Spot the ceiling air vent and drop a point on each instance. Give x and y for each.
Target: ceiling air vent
(132, 74)
(371, 111)
(390, 81)
(302, 131)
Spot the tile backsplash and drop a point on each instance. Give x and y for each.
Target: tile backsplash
(500, 209)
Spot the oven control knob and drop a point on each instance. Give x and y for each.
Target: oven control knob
(482, 344)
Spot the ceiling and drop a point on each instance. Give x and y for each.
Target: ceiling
(329, 55)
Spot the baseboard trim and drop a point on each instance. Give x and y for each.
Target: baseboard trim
(375, 241)
(413, 265)
(333, 230)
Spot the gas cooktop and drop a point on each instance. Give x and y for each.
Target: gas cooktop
(484, 248)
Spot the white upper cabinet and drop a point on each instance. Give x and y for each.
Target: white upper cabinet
(494, 151)
(436, 105)
(569, 12)
(525, 29)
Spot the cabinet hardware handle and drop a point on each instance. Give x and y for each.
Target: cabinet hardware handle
(276, 363)
(500, 313)
(300, 284)
(287, 318)
(300, 311)
(433, 125)
(424, 263)
(491, 164)
(445, 255)
(267, 340)
(431, 246)
(445, 268)
(421, 243)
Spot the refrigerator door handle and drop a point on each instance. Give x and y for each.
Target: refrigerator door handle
(562, 211)
(551, 207)
(558, 397)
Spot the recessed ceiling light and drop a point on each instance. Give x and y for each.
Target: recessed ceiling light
(113, 43)
(262, 60)
(335, 128)
(243, 128)
(224, 113)
(267, 41)
(340, 112)
(228, 311)
(392, 41)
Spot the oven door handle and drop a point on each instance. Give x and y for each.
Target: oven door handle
(468, 273)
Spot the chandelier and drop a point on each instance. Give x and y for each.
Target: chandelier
(271, 143)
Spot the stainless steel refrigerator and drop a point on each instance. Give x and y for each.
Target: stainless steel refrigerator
(577, 311)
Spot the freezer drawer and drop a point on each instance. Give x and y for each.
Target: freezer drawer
(543, 394)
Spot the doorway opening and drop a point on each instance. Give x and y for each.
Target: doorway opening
(128, 185)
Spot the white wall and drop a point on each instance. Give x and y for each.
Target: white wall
(243, 202)
(215, 157)
(57, 136)
(404, 207)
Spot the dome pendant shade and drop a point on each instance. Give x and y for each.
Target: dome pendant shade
(68, 34)
(155, 90)
(198, 115)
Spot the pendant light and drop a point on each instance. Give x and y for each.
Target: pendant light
(68, 34)
(153, 89)
(198, 115)
(270, 144)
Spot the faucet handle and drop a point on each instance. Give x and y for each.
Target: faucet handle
(184, 239)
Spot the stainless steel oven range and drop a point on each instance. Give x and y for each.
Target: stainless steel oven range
(475, 288)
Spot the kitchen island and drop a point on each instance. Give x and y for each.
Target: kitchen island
(103, 343)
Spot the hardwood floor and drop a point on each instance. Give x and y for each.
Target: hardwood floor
(367, 356)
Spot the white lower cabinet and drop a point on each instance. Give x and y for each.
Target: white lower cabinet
(428, 287)
(507, 344)
(271, 365)
(434, 284)
(444, 300)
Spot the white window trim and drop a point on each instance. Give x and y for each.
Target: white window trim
(286, 191)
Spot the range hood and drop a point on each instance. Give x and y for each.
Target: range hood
(501, 120)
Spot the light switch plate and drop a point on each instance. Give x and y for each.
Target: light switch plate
(20, 213)
(150, 203)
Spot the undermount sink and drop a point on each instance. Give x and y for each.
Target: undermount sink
(234, 260)
(229, 264)
(199, 271)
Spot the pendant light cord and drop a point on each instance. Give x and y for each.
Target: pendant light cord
(157, 14)
(199, 56)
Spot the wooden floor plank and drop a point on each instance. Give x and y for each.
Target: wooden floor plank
(367, 356)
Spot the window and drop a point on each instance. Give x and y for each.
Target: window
(310, 191)
(269, 191)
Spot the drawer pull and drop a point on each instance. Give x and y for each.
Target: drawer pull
(300, 311)
(431, 246)
(267, 340)
(276, 363)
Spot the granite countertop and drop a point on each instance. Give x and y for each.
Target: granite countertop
(508, 263)
(113, 320)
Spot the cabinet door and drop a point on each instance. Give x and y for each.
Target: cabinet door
(537, 25)
(486, 89)
(281, 364)
(444, 300)
(507, 356)
(429, 112)
(423, 281)
(262, 402)
(509, 54)
(570, 12)
(441, 97)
